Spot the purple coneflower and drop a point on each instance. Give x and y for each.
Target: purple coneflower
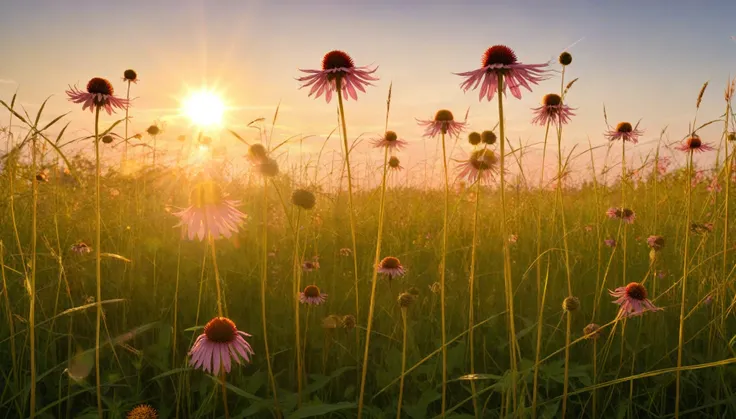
(609, 242)
(337, 67)
(394, 163)
(389, 140)
(209, 213)
(694, 144)
(391, 266)
(99, 94)
(552, 111)
(81, 248)
(312, 296)
(500, 59)
(655, 242)
(480, 166)
(219, 345)
(633, 300)
(443, 123)
(310, 265)
(592, 331)
(130, 76)
(625, 214)
(142, 411)
(624, 131)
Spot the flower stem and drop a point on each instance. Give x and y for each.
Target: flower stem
(220, 313)
(685, 252)
(297, 325)
(403, 363)
(508, 286)
(264, 278)
(125, 147)
(371, 305)
(442, 275)
(98, 270)
(623, 206)
(9, 313)
(471, 296)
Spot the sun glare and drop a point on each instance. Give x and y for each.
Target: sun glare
(204, 108)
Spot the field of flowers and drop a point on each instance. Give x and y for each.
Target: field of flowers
(145, 286)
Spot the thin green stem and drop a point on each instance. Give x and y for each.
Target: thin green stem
(98, 260)
(403, 363)
(685, 251)
(508, 284)
(443, 271)
(220, 313)
(264, 279)
(623, 207)
(125, 146)
(297, 325)
(471, 294)
(9, 313)
(372, 303)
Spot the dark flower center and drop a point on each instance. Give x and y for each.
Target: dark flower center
(206, 193)
(107, 139)
(694, 142)
(443, 115)
(153, 130)
(636, 291)
(303, 198)
(551, 100)
(624, 127)
(483, 159)
(658, 242)
(499, 54)
(489, 137)
(220, 330)
(627, 212)
(257, 151)
(390, 263)
(336, 59)
(100, 86)
(130, 75)
(565, 58)
(474, 138)
(268, 168)
(393, 162)
(308, 265)
(311, 291)
(348, 321)
(391, 136)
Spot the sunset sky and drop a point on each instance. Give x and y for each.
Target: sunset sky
(644, 59)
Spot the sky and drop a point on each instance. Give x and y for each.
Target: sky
(645, 60)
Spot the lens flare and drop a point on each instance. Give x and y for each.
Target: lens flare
(204, 108)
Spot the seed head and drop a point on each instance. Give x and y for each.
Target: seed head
(331, 322)
(624, 127)
(592, 331)
(268, 168)
(142, 411)
(303, 198)
(257, 152)
(220, 330)
(99, 85)
(636, 291)
(311, 291)
(571, 303)
(391, 136)
(394, 162)
(483, 159)
(405, 299)
(499, 54)
(130, 75)
(474, 138)
(443, 115)
(565, 58)
(488, 137)
(390, 262)
(731, 136)
(348, 321)
(107, 139)
(153, 130)
(551, 100)
(337, 59)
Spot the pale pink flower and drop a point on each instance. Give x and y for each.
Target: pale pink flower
(337, 67)
(655, 242)
(609, 242)
(99, 94)
(219, 345)
(390, 140)
(481, 166)
(698, 177)
(663, 163)
(625, 214)
(395, 164)
(391, 266)
(714, 186)
(632, 300)
(694, 144)
(624, 131)
(312, 296)
(310, 265)
(209, 213)
(500, 59)
(443, 123)
(513, 238)
(81, 248)
(552, 111)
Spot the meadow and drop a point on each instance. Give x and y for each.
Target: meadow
(485, 296)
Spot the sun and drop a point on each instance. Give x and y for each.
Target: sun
(204, 108)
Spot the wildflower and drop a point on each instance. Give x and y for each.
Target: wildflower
(310, 266)
(694, 144)
(624, 131)
(714, 186)
(331, 322)
(130, 76)
(267, 167)
(257, 153)
(500, 59)
(625, 214)
(488, 137)
(552, 111)
(443, 122)
(698, 177)
(303, 198)
(345, 252)
(588, 228)
(142, 411)
(348, 321)
(220, 344)
(633, 300)
(405, 300)
(655, 242)
(153, 130)
(609, 242)
(81, 247)
(474, 138)
(312, 295)
(42, 176)
(209, 213)
(592, 331)
(731, 135)
(389, 140)
(570, 303)
(663, 163)
(391, 266)
(565, 58)
(99, 94)
(698, 228)
(513, 238)
(394, 163)
(338, 69)
(480, 166)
